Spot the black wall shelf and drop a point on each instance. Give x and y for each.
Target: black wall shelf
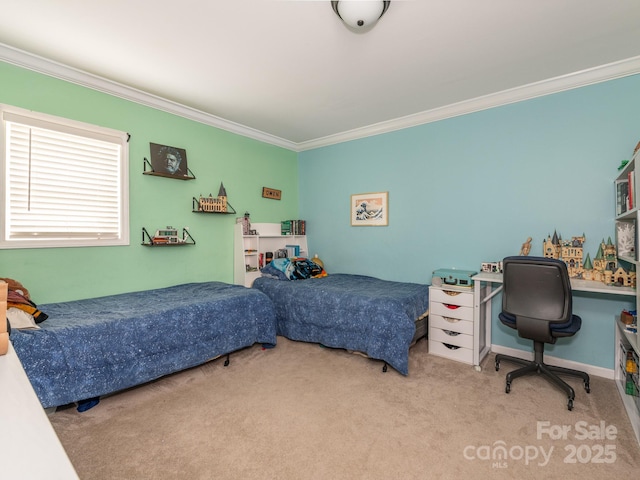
(161, 241)
(188, 176)
(197, 208)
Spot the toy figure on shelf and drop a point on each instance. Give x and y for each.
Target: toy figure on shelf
(491, 267)
(526, 247)
(569, 251)
(166, 236)
(246, 223)
(605, 267)
(211, 204)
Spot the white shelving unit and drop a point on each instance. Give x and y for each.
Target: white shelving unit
(627, 341)
(631, 403)
(249, 249)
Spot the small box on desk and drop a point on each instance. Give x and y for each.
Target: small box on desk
(452, 276)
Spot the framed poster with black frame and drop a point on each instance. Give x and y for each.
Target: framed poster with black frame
(169, 161)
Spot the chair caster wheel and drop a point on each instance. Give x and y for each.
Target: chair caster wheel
(570, 404)
(507, 388)
(384, 369)
(587, 387)
(497, 366)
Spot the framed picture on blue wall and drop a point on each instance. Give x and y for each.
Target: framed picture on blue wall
(370, 209)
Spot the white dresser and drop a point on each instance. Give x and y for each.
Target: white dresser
(451, 324)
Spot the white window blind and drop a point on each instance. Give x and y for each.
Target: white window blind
(66, 183)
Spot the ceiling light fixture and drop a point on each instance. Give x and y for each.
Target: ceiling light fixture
(360, 15)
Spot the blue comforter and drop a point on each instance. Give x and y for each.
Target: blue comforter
(88, 348)
(354, 312)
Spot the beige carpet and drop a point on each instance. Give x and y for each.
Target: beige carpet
(301, 411)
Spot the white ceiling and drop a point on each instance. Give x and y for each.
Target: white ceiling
(290, 72)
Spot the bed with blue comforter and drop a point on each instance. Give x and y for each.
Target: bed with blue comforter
(93, 347)
(353, 312)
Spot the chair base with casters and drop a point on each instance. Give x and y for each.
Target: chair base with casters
(550, 372)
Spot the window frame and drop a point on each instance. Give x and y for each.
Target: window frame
(64, 126)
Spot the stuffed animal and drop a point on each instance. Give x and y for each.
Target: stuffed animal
(18, 297)
(16, 286)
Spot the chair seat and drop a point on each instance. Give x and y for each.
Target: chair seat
(565, 329)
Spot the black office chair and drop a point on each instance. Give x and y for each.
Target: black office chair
(537, 302)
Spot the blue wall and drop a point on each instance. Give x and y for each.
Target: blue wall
(471, 189)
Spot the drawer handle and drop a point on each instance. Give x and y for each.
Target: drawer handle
(451, 320)
(451, 307)
(451, 347)
(451, 333)
(451, 293)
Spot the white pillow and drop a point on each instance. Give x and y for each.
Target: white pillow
(20, 319)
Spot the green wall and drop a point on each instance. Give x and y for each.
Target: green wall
(214, 156)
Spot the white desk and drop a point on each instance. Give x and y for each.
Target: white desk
(487, 285)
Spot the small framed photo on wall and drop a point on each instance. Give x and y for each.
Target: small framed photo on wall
(169, 161)
(370, 209)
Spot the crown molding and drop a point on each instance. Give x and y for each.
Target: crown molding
(60, 71)
(611, 71)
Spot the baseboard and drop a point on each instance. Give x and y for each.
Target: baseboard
(560, 362)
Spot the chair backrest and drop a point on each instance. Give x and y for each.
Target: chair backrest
(536, 288)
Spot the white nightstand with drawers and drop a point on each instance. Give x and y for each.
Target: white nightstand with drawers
(452, 330)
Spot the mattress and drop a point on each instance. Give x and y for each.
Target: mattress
(92, 347)
(354, 312)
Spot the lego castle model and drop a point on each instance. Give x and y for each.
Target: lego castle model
(605, 267)
(213, 204)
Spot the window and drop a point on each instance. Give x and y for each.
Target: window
(65, 183)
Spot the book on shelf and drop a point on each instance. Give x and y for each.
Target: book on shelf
(631, 194)
(293, 250)
(622, 194)
(293, 227)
